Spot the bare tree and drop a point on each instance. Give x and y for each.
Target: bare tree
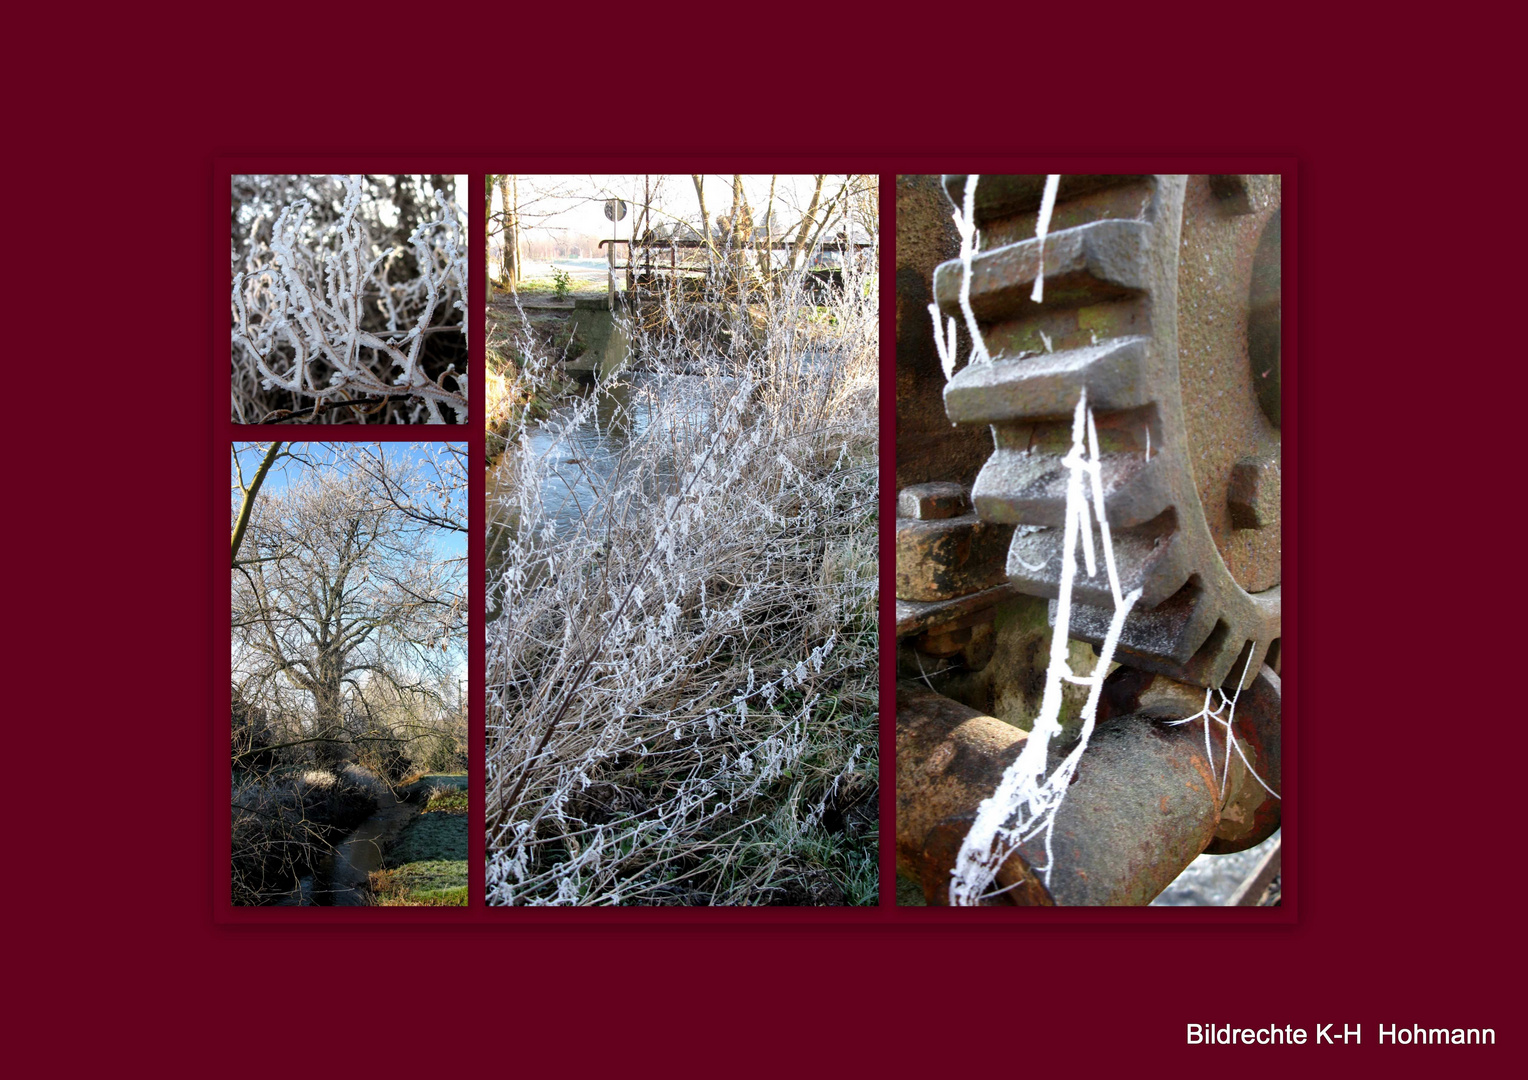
(343, 588)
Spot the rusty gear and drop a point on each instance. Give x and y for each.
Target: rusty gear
(1161, 300)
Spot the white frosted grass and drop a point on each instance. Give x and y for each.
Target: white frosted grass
(1026, 800)
(705, 639)
(1042, 226)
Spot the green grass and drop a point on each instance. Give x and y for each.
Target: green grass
(427, 867)
(437, 883)
(542, 288)
(447, 801)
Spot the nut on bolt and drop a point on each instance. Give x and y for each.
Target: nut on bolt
(1253, 494)
(943, 549)
(934, 501)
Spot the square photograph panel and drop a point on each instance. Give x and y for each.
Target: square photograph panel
(348, 298)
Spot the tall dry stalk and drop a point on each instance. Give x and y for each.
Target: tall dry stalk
(682, 685)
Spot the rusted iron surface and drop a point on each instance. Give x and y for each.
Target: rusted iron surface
(972, 643)
(1149, 286)
(948, 557)
(928, 502)
(1249, 812)
(1007, 196)
(917, 617)
(949, 758)
(1143, 805)
(1255, 492)
(1222, 416)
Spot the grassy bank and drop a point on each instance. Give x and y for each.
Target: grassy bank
(427, 866)
(527, 347)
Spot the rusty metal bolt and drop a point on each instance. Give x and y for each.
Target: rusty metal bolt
(1254, 492)
(930, 502)
(950, 557)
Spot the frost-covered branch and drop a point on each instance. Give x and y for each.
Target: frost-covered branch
(323, 315)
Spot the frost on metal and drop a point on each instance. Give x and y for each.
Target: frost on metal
(1025, 803)
(323, 317)
(1042, 226)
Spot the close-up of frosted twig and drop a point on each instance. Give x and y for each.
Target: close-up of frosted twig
(333, 325)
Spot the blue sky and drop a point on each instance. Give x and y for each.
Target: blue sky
(249, 455)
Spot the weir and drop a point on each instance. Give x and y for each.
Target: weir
(606, 344)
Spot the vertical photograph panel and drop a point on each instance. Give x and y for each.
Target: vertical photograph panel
(682, 585)
(1089, 554)
(348, 743)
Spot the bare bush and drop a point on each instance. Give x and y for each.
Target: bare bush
(681, 690)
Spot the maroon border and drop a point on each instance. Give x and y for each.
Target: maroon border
(1406, 912)
(1407, 425)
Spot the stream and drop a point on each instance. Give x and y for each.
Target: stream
(584, 459)
(339, 880)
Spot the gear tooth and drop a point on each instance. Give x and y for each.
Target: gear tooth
(1165, 568)
(1259, 656)
(1085, 265)
(1022, 488)
(1159, 639)
(1002, 196)
(1029, 550)
(1047, 386)
(1193, 621)
(1267, 613)
(1148, 558)
(1212, 664)
(1042, 549)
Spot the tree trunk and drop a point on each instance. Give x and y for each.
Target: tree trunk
(509, 196)
(488, 180)
(705, 220)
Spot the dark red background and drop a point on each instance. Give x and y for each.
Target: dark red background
(1407, 369)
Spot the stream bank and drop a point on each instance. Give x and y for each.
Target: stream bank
(424, 822)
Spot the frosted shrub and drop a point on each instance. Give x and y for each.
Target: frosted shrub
(682, 687)
(329, 324)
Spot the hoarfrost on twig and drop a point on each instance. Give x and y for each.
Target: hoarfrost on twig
(1026, 800)
(1042, 226)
